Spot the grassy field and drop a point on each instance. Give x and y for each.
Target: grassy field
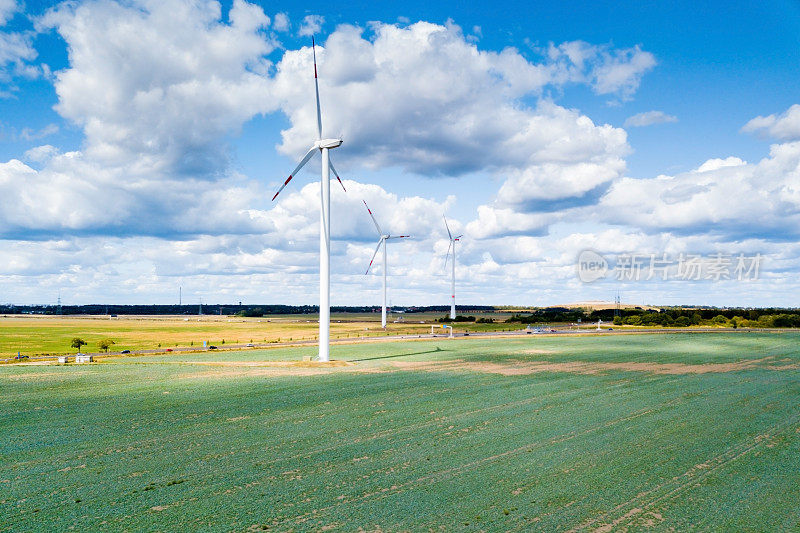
(545, 433)
(37, 335)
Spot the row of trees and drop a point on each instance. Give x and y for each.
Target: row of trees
(461, 318)
(782, 320)
(668, 317)
(104, 344)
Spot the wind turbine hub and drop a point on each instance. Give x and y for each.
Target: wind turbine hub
(329, 143)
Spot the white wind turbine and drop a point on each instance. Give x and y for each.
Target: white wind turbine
(382, 240)
(453, 241)
(323, 146)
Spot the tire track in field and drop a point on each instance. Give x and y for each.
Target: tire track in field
(639, 497)
(439, 421)
(719, 464)
(420, 425)
(458, 470)
(455, 471)
(637, 505)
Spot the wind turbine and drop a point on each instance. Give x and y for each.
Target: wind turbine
(453, 241)
(382, 240)
(323, 146)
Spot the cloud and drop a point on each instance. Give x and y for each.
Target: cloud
(281, 22)
(7, 10)
(784, 126)
(728, 198)
(311, 25)
(73, 195)
(29, 134)
(16, 51)
(155, 123)
(154, 160)
(609, 71)
(649, 118)
(714, 164)
(426, 90)
(621, 71)
(161, 111)
(41, 154)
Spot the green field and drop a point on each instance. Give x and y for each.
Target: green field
(546, 433)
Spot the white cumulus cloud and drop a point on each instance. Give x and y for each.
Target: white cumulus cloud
(186, 80)
(783, 126)
(437, 105)
(311, 25)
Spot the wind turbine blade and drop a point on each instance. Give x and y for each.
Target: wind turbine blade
(303, 161)
(398, 236)
(448, 228)
(373, 255)
(330, 163)
(448, 254)
(316, 86)
(458, 237)
(380, 232)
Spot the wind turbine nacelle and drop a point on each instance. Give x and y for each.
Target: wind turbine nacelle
(329, 143)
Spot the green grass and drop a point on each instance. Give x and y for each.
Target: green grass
(140, 443)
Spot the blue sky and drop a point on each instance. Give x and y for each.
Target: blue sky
(140, 143)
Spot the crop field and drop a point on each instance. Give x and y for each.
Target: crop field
(36, 335)
(630, 432)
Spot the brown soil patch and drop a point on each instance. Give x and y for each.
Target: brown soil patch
(518, 368)
(271, 364)
(233, 369)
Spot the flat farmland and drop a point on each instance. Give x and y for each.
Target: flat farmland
(38, 335)
(600, 433)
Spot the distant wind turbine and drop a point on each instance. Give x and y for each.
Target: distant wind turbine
(323, 146)
(453, 241)
(382, 240)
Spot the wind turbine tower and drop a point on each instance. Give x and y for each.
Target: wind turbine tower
(323, 146)
(453, 241)
(381, 240)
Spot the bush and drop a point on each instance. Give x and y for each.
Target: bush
(683, 322)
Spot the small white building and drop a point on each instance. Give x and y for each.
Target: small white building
(83, 358)
(63, 359)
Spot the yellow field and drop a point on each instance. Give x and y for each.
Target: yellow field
(38, 335)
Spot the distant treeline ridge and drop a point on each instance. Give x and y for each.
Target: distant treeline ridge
(215, 309)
